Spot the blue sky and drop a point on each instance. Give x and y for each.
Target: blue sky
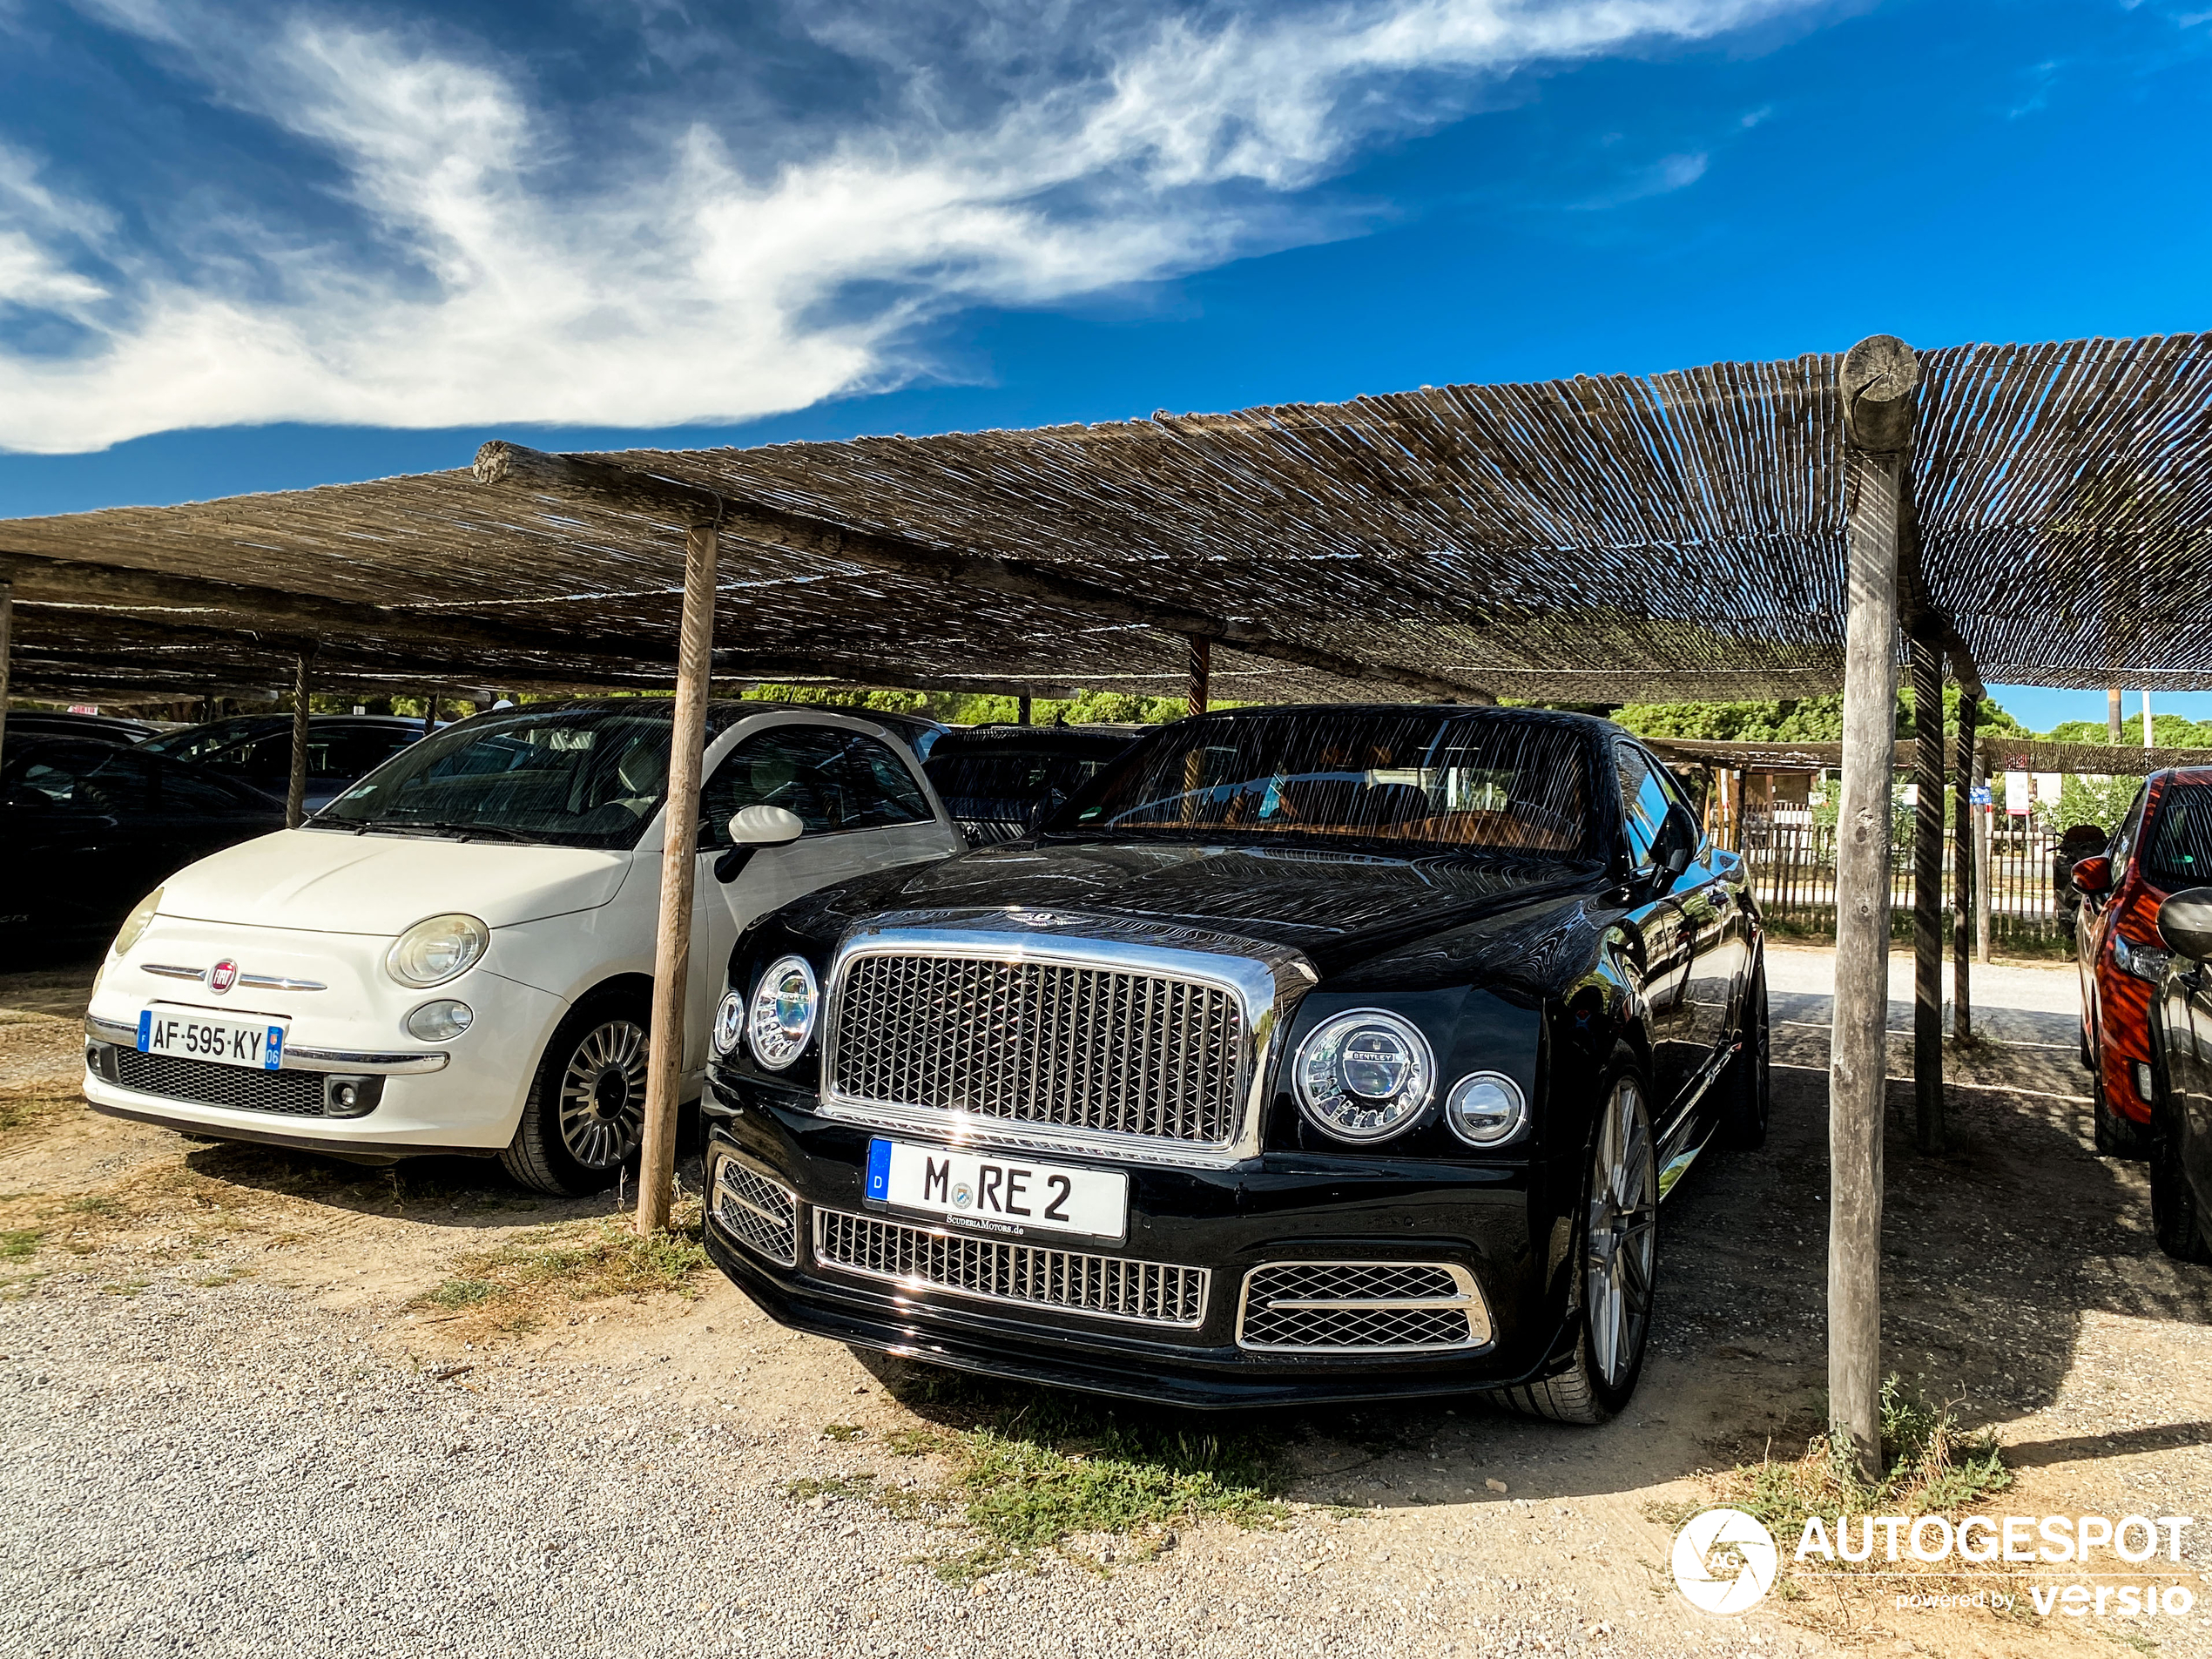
(257, 246)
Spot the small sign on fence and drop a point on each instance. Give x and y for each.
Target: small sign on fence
(2020, 794)
(1979, 795)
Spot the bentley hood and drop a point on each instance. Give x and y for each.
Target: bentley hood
(325, 882)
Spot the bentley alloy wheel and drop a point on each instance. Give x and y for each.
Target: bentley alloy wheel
(1622, 1233)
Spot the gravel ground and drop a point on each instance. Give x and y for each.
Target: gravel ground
(224, 1430)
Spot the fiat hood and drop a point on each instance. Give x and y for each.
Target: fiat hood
(325, 882)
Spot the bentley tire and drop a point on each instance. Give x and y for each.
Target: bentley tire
(1618, 1235)
(1743, 1110)
(586, 1110)
(2175, 1216)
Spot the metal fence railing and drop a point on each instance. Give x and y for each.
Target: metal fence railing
(1793, 868)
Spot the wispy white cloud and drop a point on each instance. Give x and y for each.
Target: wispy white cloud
(495, 271)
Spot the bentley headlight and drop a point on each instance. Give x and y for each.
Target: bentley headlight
(1486, 1107)
(436, 949)
(729, 1023)
(781, 1018)
(135, 924)
(1364, 1076)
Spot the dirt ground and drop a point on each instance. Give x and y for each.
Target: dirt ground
(2022, 1284)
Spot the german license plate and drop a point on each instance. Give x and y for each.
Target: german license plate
(995, 1193)
(187, 1033)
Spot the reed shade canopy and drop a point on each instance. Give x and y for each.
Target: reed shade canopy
(1604, 538)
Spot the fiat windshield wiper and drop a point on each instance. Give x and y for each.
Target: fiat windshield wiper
(431, 827)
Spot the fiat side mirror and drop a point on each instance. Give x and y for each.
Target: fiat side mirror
(2185, 923)
(2093, 875)
(753, 829)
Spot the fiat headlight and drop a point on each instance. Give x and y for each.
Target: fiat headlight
(1486, 1107)
(135, 924)
(729, 1023)
(780, 1021)
(1364, 1076)
(439, 1022)
(436, 949)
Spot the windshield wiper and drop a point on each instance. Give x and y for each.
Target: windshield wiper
(431, 827)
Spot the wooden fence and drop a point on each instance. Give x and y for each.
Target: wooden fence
(1793, 868)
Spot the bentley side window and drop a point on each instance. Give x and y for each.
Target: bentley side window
(1643, 802)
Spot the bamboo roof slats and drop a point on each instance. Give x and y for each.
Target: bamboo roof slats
(1606, 537)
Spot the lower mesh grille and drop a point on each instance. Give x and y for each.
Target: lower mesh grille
(1362, 1306)
(297, 1094)
(1112, 1287)
(760, 1215)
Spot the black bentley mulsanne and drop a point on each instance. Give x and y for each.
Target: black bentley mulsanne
(1305, 1053)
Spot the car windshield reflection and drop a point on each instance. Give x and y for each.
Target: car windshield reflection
(566, 776)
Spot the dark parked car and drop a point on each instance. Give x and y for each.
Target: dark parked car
(1305, 1053)
(995, 778)
(918, 731)
(91, 728)
(89, 829)
(256, 749)
(2181, 1126)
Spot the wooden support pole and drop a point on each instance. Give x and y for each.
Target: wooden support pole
(1021, 710)
(1201, 671)
(430, 714)
(1963, 873)
(1878, 378)
(1927, 894)
(678, 865)
(295, 794)
(1985, 827)
(7, 645)
(2112, 716)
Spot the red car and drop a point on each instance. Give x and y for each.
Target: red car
(2116, 943)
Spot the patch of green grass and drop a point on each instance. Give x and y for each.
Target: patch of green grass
(95, 1203)
(126, 1287)
(17, 1243)
(463, 1293)
(574, 1261)
(842, 1432)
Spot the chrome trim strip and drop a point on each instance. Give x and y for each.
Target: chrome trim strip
(1268, 981)
(720, 1188)
(277, 982)
(295, 1059)
(169, 970)
(1468, 1295)
(910, 1282)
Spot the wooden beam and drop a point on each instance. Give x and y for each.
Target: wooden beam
(587, 479)
(678, 870)
(1201, 671)
(44, 582)
(1878, 378)
(295, 794)
(1927, 893)
(7, 650)
(1963, 872)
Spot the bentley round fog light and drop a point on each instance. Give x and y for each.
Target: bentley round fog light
(436, 949)
(1364, 1076)
(1485, 1108)
(729, 1023)
(437, 1021)
(781, 1018)
(135, 924)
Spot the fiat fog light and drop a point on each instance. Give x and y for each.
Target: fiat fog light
(1485, 1108)
(782, 1016)
(440, 1020)
(1364, 1076)
(729, 1023)
(135, 924)
(436, 949)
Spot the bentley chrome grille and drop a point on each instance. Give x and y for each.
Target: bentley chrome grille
(760, 1213)
(1362, 1307)
(1056, 1045)
(1112, 1287)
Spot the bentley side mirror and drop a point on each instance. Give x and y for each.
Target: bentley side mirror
(2185, 923)
(755, 829)
(1049, 807)
(1677, 842)
(2093, 875)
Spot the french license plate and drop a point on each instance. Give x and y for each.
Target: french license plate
(998, 1194)
(187, 1034)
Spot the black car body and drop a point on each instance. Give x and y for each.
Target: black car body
(86, 728)
(87, 829)
(995, 779)
(256, 750)
(1396, 1023)
(2177, 1141)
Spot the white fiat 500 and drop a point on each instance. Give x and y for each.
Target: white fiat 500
(456, 954)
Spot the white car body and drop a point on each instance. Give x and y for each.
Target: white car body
(305, 918)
